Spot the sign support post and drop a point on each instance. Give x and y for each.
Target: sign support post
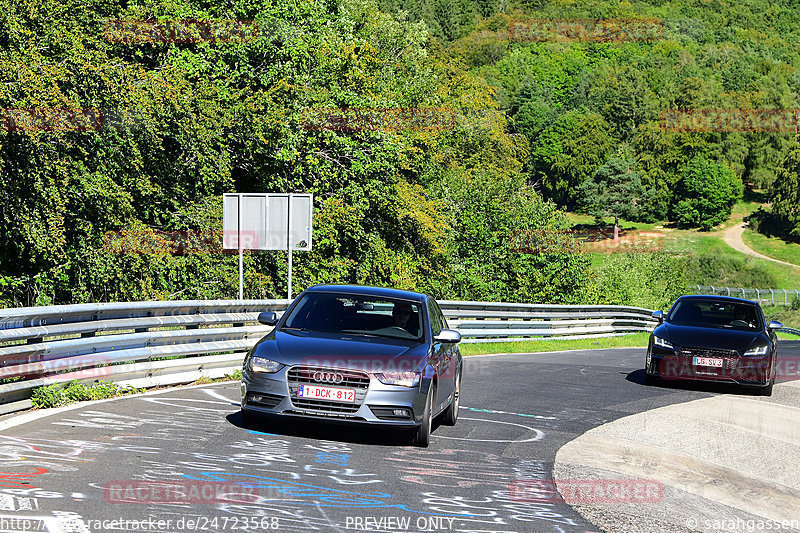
(289, 245)
(241, 250)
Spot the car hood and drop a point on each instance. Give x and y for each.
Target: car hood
(355, 352)
(724, 339)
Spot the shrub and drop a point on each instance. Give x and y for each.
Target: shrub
(707, 193)
(57, 395)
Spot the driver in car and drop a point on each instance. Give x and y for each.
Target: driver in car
(740, 317)
(401, 313)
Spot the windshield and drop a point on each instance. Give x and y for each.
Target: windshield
(362, 315)
(715, 314)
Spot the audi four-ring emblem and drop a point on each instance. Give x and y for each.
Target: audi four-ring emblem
(328, 377)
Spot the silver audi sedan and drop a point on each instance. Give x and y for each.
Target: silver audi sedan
(363, 355)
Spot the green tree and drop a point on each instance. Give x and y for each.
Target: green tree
(785, 192)
(616, 190)
(706, 194)
(568, 153)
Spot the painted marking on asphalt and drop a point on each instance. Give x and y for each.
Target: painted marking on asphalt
(215, 394)
(538, 434)
(496, 412)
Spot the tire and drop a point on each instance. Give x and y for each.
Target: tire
(450, 415)
(421, 436)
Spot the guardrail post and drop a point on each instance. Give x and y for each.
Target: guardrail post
(729, 290)
(772, 295)
(743, 296)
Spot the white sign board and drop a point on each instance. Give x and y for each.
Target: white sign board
(265, 221)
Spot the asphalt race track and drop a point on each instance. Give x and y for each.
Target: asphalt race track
(107, 466)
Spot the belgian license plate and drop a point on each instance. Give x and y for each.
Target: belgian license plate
(706, 361)
(332, 394)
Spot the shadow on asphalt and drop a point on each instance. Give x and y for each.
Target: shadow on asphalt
(326, 430)
(637, 376)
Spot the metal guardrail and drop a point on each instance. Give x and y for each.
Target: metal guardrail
(159, 343)
(162, 343)
(760, 295)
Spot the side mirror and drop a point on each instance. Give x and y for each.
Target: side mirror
(268, 318)
(448, 335)
(658, 315)
(774, 324)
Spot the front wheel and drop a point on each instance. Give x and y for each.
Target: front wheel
(450, 415)
(422, 435)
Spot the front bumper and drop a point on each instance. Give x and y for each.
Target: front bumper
(680, 364)
(376, 403)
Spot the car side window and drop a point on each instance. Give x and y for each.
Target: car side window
(436, 325)
(442, 319)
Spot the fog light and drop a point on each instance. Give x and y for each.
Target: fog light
(400, 412)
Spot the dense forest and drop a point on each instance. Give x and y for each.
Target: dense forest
(542, 126)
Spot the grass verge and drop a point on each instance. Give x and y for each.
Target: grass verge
(773, 247)
(58, 394)
(633, 340)
(236, 376)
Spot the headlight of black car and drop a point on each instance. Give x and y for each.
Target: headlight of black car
(758, 350)
(662, 343)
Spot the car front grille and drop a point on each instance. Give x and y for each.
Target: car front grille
(688, 351)
(730, 360)
(351, 379)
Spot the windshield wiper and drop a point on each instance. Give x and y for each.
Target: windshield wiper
(363, 333)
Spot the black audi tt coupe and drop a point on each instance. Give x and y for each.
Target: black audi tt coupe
(713, 338)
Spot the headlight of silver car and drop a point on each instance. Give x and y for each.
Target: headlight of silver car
(662, 343)
(259, 364)
(405, 379)
(757, 350)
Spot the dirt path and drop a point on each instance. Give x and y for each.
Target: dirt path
(733, 237)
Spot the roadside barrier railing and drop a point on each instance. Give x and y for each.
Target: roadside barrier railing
(785, 297)
(145, 344)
